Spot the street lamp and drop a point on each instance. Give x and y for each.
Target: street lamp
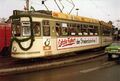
(77, 10)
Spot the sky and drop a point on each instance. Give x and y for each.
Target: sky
(106, 10)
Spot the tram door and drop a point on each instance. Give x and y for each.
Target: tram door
(47, 37)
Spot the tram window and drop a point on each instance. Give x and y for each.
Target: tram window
(91, 30)
(79, 29)
(46, 28)
(64, 29)
(84, 29)
(36, 28)
(106, 31)
(96, 30)
(102, 31)
(72, 29)
(109, 32)
(16, 29)
(26, 30)
(58, 29)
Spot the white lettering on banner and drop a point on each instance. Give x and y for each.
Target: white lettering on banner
(76, 41)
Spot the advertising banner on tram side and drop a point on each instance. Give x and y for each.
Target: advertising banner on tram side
(71, 42)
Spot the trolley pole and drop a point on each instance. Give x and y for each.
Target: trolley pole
(27, 5)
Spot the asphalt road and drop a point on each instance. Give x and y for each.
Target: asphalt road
(96, 70)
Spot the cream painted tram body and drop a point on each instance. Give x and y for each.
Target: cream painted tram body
(45, 33)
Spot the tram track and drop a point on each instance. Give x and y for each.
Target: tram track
(20, 66)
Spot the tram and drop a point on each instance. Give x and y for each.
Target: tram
(47, 33)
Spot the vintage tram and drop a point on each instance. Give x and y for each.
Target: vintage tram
(46, 33)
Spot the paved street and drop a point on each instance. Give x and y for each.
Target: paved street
(96, 70)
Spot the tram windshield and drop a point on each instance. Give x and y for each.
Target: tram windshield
(21, 27)
(26, 31)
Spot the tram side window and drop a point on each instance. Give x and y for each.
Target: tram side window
(79, 29)
(91, 30)
(84, 29)
(109, 32)
(106, 31)
(58, 28)
(72, 29)
(64, 29)
(46, 28)
(96, 30)
(36, 28)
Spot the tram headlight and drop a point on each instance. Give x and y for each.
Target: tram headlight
(14, 49)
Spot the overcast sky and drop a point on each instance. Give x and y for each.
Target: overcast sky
(100, 9)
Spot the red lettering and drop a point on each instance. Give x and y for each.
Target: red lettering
(66, 42)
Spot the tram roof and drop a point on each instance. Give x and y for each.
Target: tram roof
(58, 15)
(73, 17)
(105, 24)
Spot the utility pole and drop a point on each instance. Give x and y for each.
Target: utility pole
(27, 5)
